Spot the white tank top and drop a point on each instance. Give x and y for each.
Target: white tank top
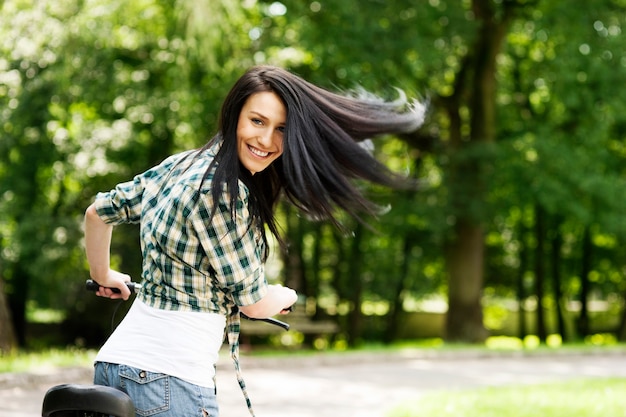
(183, 344)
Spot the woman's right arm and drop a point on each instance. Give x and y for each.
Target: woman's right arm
(98, 246)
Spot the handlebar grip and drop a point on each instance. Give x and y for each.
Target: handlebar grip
(91, 285)
(268, 320)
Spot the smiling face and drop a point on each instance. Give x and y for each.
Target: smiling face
(260, 131)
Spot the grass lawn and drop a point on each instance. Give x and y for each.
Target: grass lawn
(50, 358)
(602, 397)
(25, 360)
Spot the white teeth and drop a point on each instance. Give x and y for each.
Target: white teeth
(258, 152)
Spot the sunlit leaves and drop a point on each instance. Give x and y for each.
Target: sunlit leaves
(91, 92)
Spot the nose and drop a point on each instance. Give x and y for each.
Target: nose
(265, 138)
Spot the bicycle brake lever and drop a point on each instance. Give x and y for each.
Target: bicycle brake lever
(268, 320)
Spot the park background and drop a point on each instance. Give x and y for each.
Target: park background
(518, 228)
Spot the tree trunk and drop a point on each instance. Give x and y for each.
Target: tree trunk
(540, 236)
(556, 243)
(583, 318)
(355, 294)
(476, 79)
(293, 259)
(621, 330)
(17, 302)
(521, 288)
(464, 321)
(396, 308)
(338, 275)
(312, 287)
(8, 341)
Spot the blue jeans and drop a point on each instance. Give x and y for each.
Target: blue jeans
(156, 394)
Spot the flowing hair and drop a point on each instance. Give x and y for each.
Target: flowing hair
(322, 154)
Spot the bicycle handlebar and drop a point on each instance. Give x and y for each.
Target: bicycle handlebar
(92, 285)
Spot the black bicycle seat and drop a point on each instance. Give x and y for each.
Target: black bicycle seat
(69, 399)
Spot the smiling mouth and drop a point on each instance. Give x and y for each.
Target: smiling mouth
(258, 152)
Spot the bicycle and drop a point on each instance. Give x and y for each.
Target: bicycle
(76, 400)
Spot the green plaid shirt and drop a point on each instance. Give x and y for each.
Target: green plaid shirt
(190, 261)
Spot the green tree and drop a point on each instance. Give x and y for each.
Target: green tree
(526, 123)
(92, 94)
(463, 93)
(559, 154)
(513, 90)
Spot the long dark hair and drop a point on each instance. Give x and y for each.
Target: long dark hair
(321, 151)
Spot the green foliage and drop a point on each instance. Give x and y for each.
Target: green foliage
(92, 92)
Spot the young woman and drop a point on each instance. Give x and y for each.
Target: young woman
(203, 216)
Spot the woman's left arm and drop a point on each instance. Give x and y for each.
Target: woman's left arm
(277, 300)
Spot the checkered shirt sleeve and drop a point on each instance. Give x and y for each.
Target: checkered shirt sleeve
(121, 205)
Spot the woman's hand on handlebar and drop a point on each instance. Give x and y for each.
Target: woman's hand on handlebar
(277, 301)
(113, 279)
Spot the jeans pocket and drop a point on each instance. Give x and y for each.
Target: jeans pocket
(150, 391)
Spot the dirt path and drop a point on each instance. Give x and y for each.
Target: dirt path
(351, 385)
